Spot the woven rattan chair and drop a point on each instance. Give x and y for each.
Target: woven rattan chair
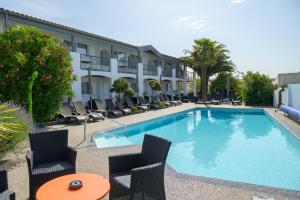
(50, 157)
(140, 176)
(5, 194)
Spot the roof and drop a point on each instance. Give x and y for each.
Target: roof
(288, 78)
(2, 10)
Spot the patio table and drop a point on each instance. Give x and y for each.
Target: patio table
(93, 187)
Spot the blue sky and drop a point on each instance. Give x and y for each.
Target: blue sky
(262, 35)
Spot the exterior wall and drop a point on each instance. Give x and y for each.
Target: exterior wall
(290, 96)
(2, 23)
(101, 80)
(294, 95)
(289, 78)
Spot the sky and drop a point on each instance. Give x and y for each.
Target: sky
(261, 35)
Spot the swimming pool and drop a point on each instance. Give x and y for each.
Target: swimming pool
(244, 145)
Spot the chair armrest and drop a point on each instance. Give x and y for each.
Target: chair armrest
(121, 163)
(12, 195)
(3, 180)
(71, 155)
(29, 159)
(147, 178)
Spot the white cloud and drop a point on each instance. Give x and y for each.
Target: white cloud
(189, 22)
(237, 1)
(45, 8)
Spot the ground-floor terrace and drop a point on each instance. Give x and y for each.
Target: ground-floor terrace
(178, 186)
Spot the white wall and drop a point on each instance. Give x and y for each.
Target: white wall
(294, 95)
(102, 81)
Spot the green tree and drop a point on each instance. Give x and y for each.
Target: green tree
(119, 86)
(257, 89)
(155, 85)
(24, 50)
(219, 84)
(198, 85)
(129, 92)
(207, 58)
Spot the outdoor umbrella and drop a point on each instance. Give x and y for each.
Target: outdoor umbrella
(90, 86)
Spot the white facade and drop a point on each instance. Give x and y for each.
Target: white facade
(102, 80)
(290, 96)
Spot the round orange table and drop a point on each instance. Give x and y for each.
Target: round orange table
(94, 187)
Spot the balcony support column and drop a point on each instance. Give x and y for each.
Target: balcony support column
(185, 85)
(140, 79)
(114, 69)
(174, 88)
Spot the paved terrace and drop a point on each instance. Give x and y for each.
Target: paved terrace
(178, 186)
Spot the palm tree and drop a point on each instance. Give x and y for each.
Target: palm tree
(207, 58)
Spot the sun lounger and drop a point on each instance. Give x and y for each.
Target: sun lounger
(163, 100)
(99, 107)
(154, 103)
(80, 110)
(131, 104)
(112, 108)
(66, 112)
(142, 102)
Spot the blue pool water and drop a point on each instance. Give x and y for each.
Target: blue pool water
(238, 145)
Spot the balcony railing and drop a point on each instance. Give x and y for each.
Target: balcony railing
(127, 67)
(150, 70)
(179, 73)
(95, 63)
(167, 72)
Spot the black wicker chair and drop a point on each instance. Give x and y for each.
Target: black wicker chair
(140, 176)
(50, 157)
(5, 194)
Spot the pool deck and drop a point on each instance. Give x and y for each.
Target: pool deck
(178, 186)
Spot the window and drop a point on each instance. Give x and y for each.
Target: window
(81, 48)
(67, 44)
(84, 87)
(119, 55)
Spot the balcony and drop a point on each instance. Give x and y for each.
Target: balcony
(179, 73)
(94, 63)
(167, 72)
(190, 76)
(127, 67)
(150, 70)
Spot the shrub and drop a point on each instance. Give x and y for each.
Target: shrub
(155, 85)
(129, 92)
(15, 123)
(219, 84)
(25, 50)
(161, 105)
(134, 109)
(257, 89)
(119, 86)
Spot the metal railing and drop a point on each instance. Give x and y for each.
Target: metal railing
(179, 73)
(95, 63)
(150, 70)
(124, 126)
(167, 72)
(127, 67)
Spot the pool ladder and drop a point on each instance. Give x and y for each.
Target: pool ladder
(105, 118)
